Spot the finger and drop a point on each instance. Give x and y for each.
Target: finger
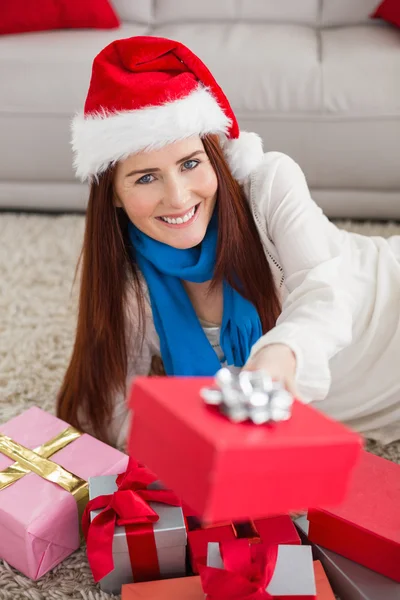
(291, 387)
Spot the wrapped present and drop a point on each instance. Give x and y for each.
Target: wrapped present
(272, 530)
(44, 467)
(238, 569)
(324, 590)
(365, 527)
(134, 528)
(227, 470)
(182, 588)
(349, 580)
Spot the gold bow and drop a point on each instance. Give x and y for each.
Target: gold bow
(36, 461)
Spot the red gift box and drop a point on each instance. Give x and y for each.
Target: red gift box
(274, 530)
(324, 590)
(366, 526)
(234, 471)
(182, 588)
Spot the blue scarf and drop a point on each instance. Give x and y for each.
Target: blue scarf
(185, 349)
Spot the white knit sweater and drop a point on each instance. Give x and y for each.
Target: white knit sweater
(340, 297)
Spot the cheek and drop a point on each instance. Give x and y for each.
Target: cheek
(206, 182)
(140, 204)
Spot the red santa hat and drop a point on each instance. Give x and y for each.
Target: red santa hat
(146, 92)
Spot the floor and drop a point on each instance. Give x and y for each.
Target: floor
(37, 303)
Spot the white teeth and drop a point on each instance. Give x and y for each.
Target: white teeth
(180, 220)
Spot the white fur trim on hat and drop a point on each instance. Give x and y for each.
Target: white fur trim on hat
(243, 154)
(100, 140)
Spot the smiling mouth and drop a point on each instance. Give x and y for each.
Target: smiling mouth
(181, 220)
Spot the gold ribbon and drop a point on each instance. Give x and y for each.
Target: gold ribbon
(36, 461)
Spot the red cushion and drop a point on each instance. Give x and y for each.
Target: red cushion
(20, 16)
(388, 10)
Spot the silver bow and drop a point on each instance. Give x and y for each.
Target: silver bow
(249, 395)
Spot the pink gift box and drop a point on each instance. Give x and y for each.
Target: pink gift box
(39, 524)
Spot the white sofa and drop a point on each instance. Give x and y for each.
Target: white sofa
(317, 79)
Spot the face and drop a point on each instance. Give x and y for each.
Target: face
(169, 194)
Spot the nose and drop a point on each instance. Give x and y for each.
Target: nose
(176, 194)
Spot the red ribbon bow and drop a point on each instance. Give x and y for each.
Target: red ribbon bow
(128, 506)
(248, 571)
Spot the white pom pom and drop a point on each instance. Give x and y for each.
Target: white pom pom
(243, 154)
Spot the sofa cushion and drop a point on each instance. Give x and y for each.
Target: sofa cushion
(361, 67)
(135, 11)
(284, 11)
(49, 73)
(285, 58)
(278, 73)
(347, 12)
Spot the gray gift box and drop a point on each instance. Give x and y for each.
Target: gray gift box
(349, 580)
(169, 533)
(293, 575)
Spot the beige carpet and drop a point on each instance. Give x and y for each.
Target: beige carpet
(37, 261)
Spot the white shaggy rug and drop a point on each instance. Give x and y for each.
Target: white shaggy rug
(38, 255)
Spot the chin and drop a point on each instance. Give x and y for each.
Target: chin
(188, 242)
(184, 239)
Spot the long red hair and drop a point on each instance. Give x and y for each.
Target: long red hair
(98, 367)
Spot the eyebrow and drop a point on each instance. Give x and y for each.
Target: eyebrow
(155, 169)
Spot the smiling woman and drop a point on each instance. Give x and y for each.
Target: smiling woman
(117, 328)
(201, 251)
(173, 202)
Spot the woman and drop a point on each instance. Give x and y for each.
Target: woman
(201, 250)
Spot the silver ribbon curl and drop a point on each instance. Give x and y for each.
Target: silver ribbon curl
(250, 395)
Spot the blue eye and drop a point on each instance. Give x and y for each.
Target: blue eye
(196, 162)
(141, 180)
(193, 163)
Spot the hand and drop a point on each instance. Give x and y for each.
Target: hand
(279, 362)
